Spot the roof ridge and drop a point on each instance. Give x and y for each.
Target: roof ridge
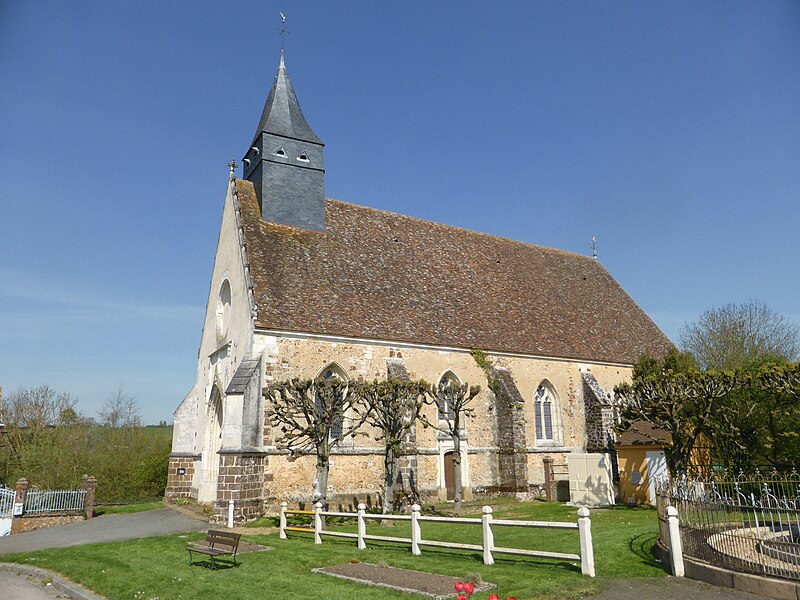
(464, 229)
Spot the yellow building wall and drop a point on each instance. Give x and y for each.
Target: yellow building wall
(633, 475)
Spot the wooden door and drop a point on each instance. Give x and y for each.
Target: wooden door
(450, 475)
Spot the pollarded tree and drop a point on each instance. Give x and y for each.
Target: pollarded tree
(739, 335)
(688, 405)
(452, 402)
(310, 413)
(392, 407)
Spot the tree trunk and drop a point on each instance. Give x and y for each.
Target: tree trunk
(457, 474)
(388, 480)
(321, 480)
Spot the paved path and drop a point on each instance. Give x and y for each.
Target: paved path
(14, 585)
(106, 528)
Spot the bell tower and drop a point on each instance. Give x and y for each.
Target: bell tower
(284, 161)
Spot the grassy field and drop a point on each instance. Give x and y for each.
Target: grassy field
(158, 567)
(123, 509)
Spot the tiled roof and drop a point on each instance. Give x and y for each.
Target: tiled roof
(381, 275)
(644, 433)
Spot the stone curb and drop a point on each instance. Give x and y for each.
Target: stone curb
(70, 588)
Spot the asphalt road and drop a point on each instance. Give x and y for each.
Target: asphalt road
(106, 528)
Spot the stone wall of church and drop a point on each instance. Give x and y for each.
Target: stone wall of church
(502, 451)
(241, 479)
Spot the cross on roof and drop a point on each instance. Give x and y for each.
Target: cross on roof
(282, 30)
(233, 166)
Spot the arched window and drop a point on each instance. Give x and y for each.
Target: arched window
(223, 312)
(546, 414)
(330, 373)
(447, 380)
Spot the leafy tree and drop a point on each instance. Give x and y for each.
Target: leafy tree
(29, 415)
(452, 400)
(675, 362)
(737, 335)
(308, 413)
(392, 407)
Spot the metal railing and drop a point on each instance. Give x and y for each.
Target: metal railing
(6, 502)
(748, 523)
(487, 523)
(54, 501)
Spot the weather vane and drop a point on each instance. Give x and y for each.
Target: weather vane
(593, 244)
(282, 29)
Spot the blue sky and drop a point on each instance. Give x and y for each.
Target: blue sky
(671, 131)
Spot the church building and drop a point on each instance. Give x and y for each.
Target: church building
(306, 286)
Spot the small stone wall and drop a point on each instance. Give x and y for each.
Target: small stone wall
(180, 475)
(33, 522)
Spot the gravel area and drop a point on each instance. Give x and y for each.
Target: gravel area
(404, 580)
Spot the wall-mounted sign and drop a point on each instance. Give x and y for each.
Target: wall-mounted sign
(19, 508)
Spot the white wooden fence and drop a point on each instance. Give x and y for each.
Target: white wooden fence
(487, 522)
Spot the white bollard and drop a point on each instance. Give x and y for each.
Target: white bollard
(587, 550)
(362, 526)
(488, 536)
(317, 522)
(675, 545)
(282, 528)
(230, 513)
(416, 532)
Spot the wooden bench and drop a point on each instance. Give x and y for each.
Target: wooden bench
(218, 543)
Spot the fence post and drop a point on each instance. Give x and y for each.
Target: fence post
(230, 513)
(675, 546)
(21, 489)
(282, 528)
(362, 526)
(488, 536)
(416, 532)
(587, 550)
(317, 522)
(548, 478)
(90, 485)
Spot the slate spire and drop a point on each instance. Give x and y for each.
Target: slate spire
(285, 160)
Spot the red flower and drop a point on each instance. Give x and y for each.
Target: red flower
(494, 597)
(469, 588)
(461, 597)
(459, 586)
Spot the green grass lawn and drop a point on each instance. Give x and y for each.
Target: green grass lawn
(158, 567)
(117, 509)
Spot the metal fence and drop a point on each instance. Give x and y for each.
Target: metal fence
(748, 523)
(6, 502)
(54, 501)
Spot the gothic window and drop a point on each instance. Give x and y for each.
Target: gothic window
(223, 311)
(330, 373)
(280, 152)
(303, 157)
(447, 380)
(546, 414)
